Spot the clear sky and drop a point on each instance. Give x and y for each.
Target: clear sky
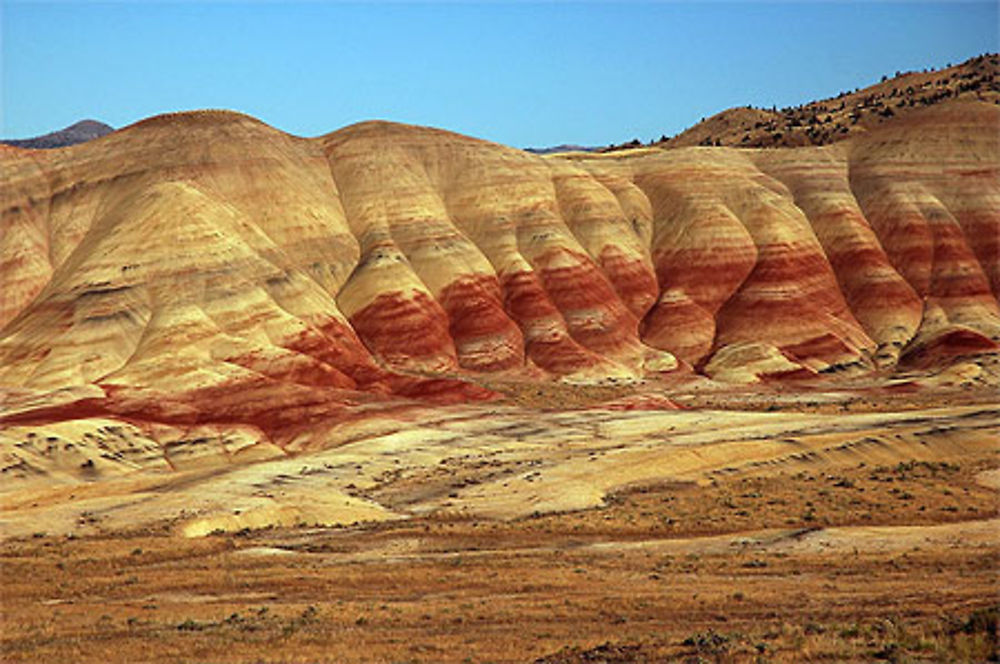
(519, 73)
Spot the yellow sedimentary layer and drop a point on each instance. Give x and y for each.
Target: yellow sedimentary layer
(191, 255)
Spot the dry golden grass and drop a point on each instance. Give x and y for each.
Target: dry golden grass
(674, 572)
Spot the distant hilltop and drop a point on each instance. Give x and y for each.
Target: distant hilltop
(81, 132)
(846, 115)
(560, 148)
(814, 123)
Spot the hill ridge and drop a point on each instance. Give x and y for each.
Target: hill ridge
(185, 272)
(833, 119)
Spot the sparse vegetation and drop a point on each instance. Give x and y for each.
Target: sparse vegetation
(826, 121)
(784, 560)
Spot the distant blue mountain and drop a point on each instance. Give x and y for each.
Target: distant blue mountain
(81, 132)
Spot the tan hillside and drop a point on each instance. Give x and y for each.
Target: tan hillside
(849, 113)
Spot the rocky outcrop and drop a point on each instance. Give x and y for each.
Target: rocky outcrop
(206, 268)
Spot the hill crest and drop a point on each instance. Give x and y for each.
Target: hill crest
(846, 115)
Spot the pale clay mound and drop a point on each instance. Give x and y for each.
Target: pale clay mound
(200, 289)
(152, 271)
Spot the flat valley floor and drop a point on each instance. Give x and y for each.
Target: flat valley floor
(812, 528)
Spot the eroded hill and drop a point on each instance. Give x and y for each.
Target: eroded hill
(206, 268)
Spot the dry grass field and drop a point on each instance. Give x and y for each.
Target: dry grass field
(872, 540)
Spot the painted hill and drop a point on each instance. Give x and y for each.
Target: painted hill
(206, 268)
(846, 115)
(80, 132)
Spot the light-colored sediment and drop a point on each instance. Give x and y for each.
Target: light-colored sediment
(205, 269)
(472, 462)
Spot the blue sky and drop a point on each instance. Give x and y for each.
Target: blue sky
(518, 73)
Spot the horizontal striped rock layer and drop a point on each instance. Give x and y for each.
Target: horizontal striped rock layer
(206, 268)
